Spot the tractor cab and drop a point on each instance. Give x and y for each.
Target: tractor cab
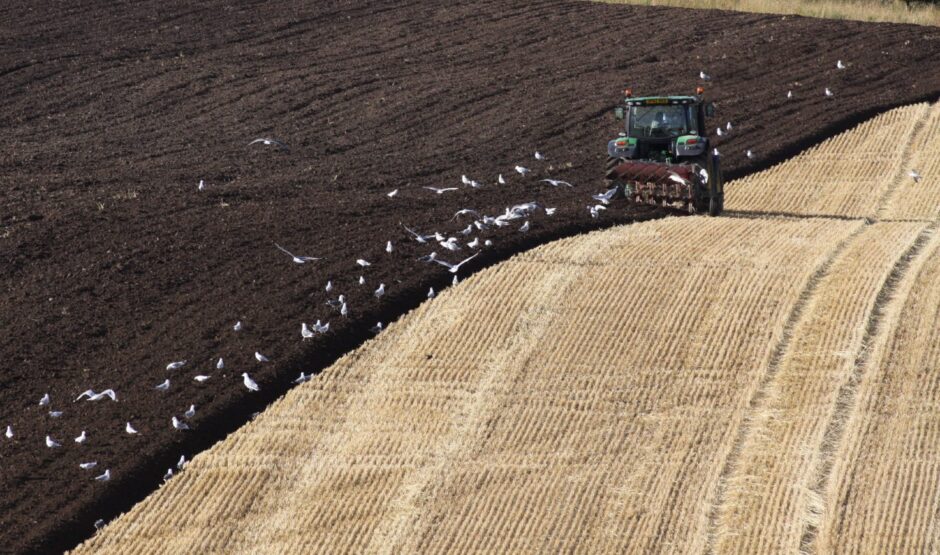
(661, 128)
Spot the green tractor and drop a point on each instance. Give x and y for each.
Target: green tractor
(663, 155)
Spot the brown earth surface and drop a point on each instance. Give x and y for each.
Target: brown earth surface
(115, 265)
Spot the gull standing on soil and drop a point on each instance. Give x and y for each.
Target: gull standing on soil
(261, 358)
(915, 176)
(500, 180)
(268, 142)
(179, 424)
(376, 328)
(392, 194)
(55, 413)
(441, 190)
(380, 291)
(551, 211)
(540, 156)
(389, 248)
(51, 443)
(201, 186)
(321, 328)
(237, 326)
(363, 262)
(595, 210)
(789, 95)
(88, 465)
(728, 126)
(840, 65)
(557, 182)
(296, 259)
(343, 311)
(168, 475)
(521, 170)
(453, 268)
(465, 180)
(249, 383)
(704, 76)
(749, 154)
(81, 437)
(362, 280)
(45, 400)
(191, 412)
(487, 243)
(431, 293)
(329, 286)
(104, 477)
(164, 386)
(303, 378)
(720, 132)
(176, 365)
(525, 227)
(475, 243)
(305, 332)
(829, 93)
(129, 429)
(201, 378)
(220, 364)
(715, 152)
(9, 432)
(181, 464)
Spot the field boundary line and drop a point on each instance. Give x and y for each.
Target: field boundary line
(773, 366)
(875, 334)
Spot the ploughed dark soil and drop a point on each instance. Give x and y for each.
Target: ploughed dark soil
(113, 265)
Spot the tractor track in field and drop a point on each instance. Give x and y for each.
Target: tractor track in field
(113, 265)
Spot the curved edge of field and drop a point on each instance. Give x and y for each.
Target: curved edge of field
(620, 391)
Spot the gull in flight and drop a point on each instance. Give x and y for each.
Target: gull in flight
(220, 364)
(500, 180)
(431, 293)
(417, 236)
(450, 244)
(176, 365)
(179, 424)
(92, 396)
(595, 210)
(380, 291)
(915, 176)
(392, 194)
(362, 262)
(429, 258)
(130, 429)
(465, 212)
(191, 412)
(389, 248)
(81, 437)
(249, 383)
(829, 93)
(704, 76)
(749, 154)
(268, 142)
(44, 401)
(303, 378)
(237, 326)
(557, 182)
(453, 268)
(201, 378)
(540, 156)
(840, 65)
(305, 331)
(104, 477)
(261, 358)
(164, 386)
(677, 178)
(605, 198)
(521, 170)
(525, 227)
(88, 465)
(51, 443)
(9, 432)
(442, 190)
(551, 211)
(297, 259)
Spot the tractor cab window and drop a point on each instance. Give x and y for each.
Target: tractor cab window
(660, 121)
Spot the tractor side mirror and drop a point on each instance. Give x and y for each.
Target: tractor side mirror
(710, 109)
(618, 112)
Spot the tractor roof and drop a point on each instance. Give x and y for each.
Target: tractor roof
(654, 100)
